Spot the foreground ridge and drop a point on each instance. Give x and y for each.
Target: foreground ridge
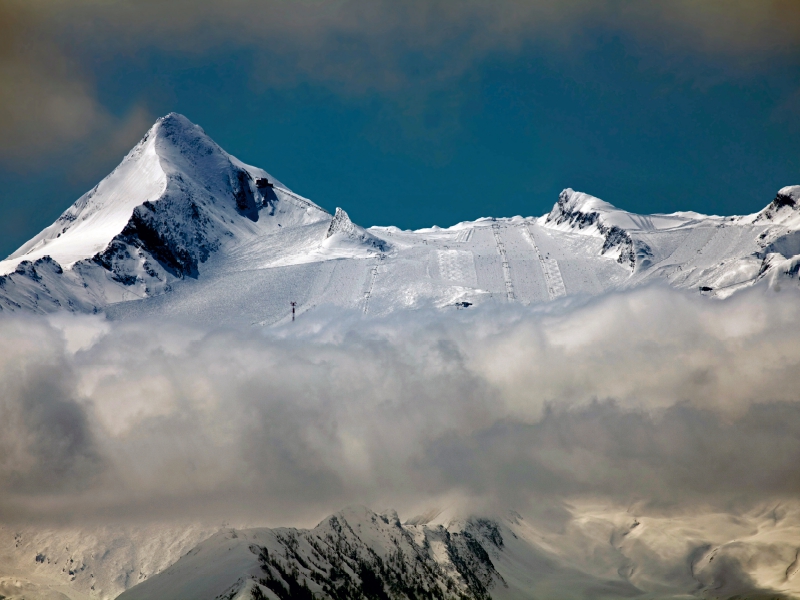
(357, 553)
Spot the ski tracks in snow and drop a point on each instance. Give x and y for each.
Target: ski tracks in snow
(501, 249)
(552, 274)
(373, 275)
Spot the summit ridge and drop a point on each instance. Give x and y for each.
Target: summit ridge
(183, 227)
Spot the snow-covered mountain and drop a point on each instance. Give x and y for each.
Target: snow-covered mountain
(352, 554)
(175, 200)
(599, 551)
(182, 227)
(357, 553)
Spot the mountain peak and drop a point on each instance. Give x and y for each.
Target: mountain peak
(571, 201)
(176, 198)
(176, 128)
(792, 191)
(784, 209)
(176, 119)
(340, 223)
(88, 226)
(345, 235)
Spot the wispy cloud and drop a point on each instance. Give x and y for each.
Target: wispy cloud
(48, 98)
(48, 101)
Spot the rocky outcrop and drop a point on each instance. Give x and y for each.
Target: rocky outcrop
(342, 229)
(574, 211)
(354, 554)
(340, 223)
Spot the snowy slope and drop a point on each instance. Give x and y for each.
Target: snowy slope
(183, 228)
(175, 199)
(350, 553)
(87, 227)
(599, 551)
(602, 553)
(88, 562)
(716, 255)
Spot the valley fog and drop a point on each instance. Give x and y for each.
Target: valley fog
(652, 397)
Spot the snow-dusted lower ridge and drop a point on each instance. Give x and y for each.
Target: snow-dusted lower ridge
(596, 551)
(352, 554)
(180, 227)
(81, 562)
(601, 552)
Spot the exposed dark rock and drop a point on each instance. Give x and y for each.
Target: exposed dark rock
(243, 194)
(616, 238)
(177, 244)
(780, 201)
(335, 558)
(27, 269)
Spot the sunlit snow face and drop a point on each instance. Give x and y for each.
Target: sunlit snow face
(652, 396)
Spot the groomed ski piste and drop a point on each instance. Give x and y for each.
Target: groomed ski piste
(182, 229)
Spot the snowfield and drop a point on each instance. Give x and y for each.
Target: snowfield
(180, 227)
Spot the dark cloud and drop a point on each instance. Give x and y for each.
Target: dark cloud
(51, 47)
(44, 101)
(48, 101)
(748, 29)
(680, 455)
(653, 396)
(46, 444)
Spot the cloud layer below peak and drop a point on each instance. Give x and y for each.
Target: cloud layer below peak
(651, 396)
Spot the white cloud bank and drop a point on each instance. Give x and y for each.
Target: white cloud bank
(653, 396)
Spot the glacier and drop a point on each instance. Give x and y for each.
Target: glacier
(182, 228)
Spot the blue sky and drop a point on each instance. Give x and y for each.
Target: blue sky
(412, 113)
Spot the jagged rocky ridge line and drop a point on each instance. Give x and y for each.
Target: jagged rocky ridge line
(616, 239)
(360, 554)
(354, 554)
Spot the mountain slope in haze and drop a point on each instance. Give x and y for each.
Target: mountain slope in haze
(594, 551)
(180, 227)
(79, 562)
